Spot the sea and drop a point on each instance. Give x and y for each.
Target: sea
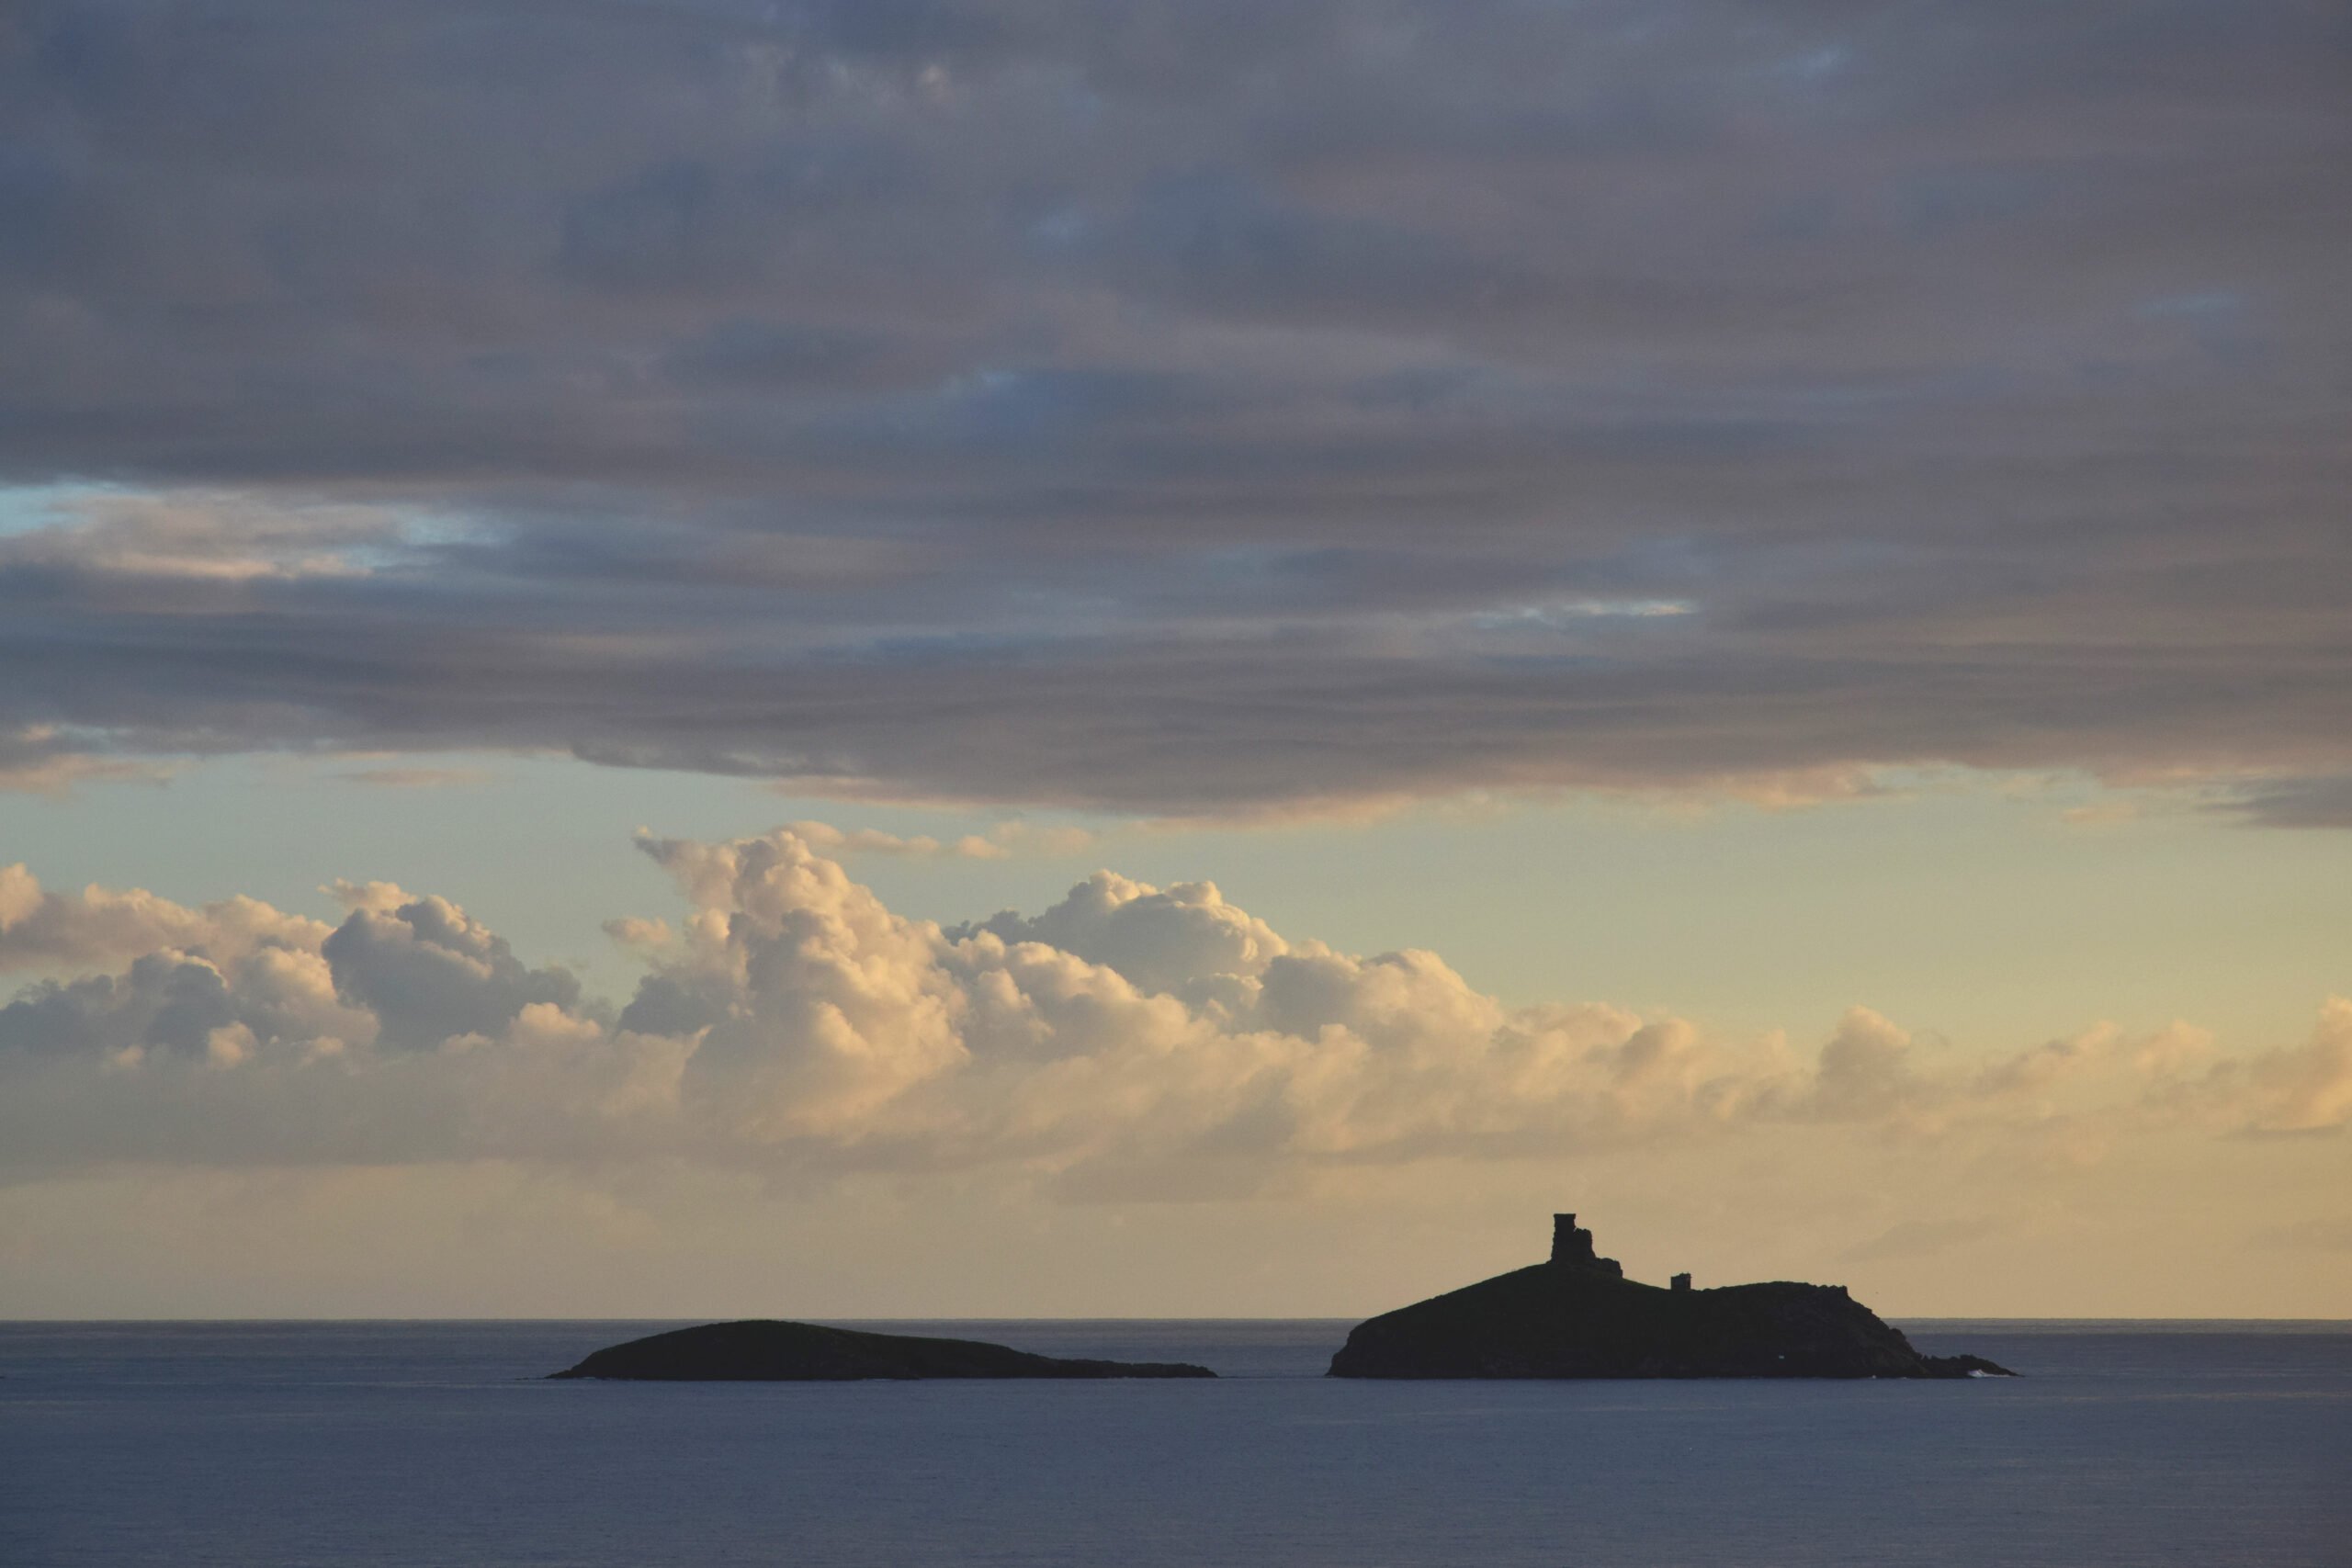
(339, 1445)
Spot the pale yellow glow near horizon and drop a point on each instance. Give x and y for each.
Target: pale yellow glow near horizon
(2073, 1170)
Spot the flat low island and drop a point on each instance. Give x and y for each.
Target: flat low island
(767, 1350)
(1578, 1316)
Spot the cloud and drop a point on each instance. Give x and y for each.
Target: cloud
(2323, 801)
(1002, 841)
(814, 1006)
(45, 930)
(429, 972)
(2308, 1089)
(1128, 1039)
(1181, 408)
(1158, 940)
(38, 759)
(874, 841)
(186, 1004)
(196, 538)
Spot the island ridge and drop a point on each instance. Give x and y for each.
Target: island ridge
(1577, 1316)
(766, 1350)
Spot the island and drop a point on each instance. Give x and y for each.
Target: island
(766, 1350)
(1578, 1316)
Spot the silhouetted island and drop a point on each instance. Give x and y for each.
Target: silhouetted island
(763, 1350)
(1578, 1316)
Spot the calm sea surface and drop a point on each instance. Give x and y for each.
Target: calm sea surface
(262, 1445)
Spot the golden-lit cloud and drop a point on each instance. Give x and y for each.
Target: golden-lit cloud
(1162, 1040)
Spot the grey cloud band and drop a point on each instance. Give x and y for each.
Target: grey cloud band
(1184, 407)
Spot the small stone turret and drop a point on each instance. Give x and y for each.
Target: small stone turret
(1572, 1248)
(1682, 1281)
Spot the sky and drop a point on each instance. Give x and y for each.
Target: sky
(904, 657)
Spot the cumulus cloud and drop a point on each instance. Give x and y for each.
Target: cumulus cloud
(429, 972)
(2309, 1088)
(1160, 941)
(42, 929)
(874, 841)
(935, 402)
(1150, 1041)
(217, 1006)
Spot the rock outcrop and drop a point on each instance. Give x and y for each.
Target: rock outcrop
(763, 1350)
(1577, 1316)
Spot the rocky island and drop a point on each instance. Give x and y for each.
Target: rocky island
(763, 1350)
(1578, 1316)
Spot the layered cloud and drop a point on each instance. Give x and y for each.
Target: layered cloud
(1182, 407)
(1151, 1042)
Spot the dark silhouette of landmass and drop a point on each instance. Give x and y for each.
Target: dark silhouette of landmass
(764, 1350)
(1578, 1316)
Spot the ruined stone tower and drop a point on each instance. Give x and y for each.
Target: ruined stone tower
(1572, 1248)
